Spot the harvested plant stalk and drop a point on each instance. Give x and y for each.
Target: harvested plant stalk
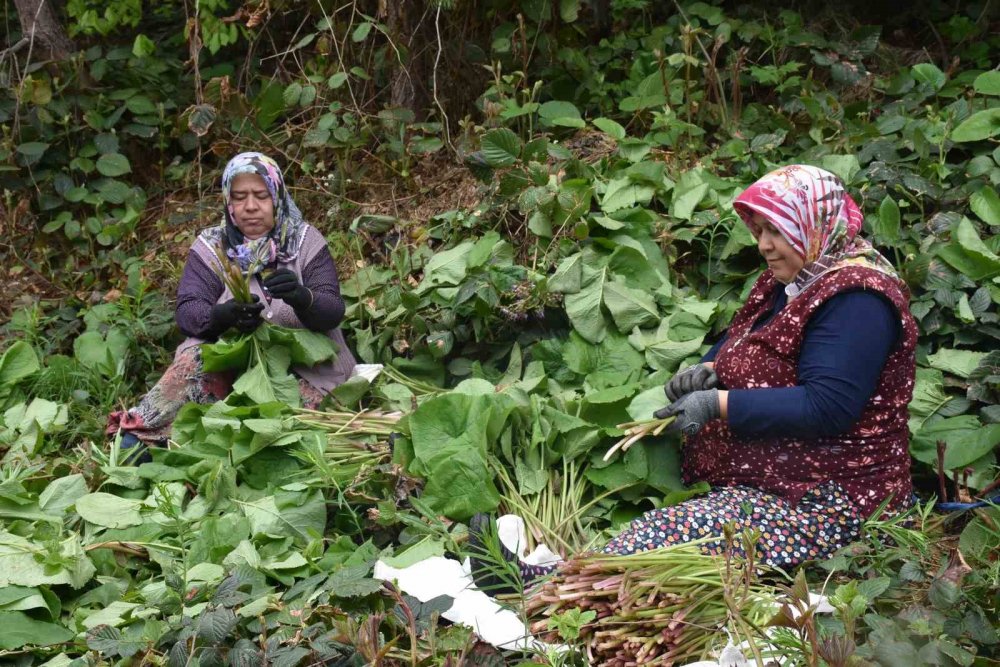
(354, 440)
(636, 431)
(659, 607)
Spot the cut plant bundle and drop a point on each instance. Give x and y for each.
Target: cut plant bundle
(660, 607)
(353, 442)
(636, 431)
(235, 272)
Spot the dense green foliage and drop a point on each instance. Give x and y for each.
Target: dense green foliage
(601, 145)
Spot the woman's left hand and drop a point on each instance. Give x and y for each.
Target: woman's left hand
(693, 411)
(285, 285)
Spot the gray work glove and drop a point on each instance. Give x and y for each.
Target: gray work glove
(693, 411)
(693, 378)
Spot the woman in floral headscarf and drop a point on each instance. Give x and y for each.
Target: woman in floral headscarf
(797, 418)
(261, 228)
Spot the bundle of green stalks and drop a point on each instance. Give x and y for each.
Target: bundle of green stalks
(350, 442)
(636, 431)
(662, 607)
(347, 424)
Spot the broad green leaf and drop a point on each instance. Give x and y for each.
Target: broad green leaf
(501, 147)
(62, 493)
(632, 266)
(20, 630)
(447, 267)
(929, 74)
(631, 469)
(625, 193)
(27, 423)
(584, 307)
(646, 403)
(308, 96)
(977, 539)
(352, 582)
(307, 348)
(140, 105)
(662, 351)
(688, 193)
(361, 32)
(113, 165)
(985, 203)
(844, 166)
(111, 642)
(956, 362)
(629, 307)
(226, 354)
(214, 626)
(569, 10)
(969, 254)
(270, 382)
(300, 515)
(422, 550)
(25, 563)
(316, 137)
(610, 127)
(292, 93)
(611, 363)
(563, 114)
(887, 223)
(928, 397)
(980, 125)
(426, 145)
(987, 83)
(114, 614)
(449, 437)
(871, 589)
(27, 511)
(965, 437)
(568, 276)
(667, 354)
(964, 310)
(18, 362)
(143, 46)
(32, 149)
(102, 352)
(21, 598)
(104, 509)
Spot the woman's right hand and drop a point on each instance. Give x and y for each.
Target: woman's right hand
(694, 378)
(244, 317)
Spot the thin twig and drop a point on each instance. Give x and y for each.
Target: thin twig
(434, 81)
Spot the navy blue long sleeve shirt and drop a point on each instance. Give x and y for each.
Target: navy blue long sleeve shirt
(845, 346)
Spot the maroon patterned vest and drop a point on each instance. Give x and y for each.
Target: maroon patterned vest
(871, 461)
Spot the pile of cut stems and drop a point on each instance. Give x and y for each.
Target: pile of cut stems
(662, 607)
(354, 441)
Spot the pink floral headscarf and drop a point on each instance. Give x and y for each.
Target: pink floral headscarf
(814, 213)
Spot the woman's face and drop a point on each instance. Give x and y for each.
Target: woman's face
(781, 257)
(253, 210)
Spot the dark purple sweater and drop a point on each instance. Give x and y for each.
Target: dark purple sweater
(200, 288)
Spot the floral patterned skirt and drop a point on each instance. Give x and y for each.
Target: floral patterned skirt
(184, 381)
(822, 522)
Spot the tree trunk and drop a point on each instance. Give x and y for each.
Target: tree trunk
(408, 88)
(40, 24)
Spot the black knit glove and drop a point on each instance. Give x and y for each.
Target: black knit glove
(285, 285)
(693, 378)
(693, 411)
(232, 314)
